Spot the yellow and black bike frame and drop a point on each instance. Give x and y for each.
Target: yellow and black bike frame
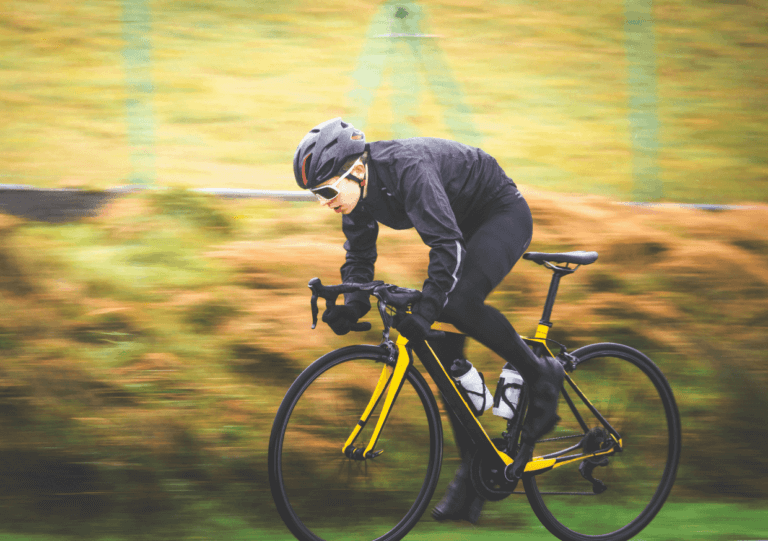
(393, 382)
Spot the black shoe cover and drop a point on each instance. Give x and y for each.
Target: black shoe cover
(460, 502)
(542, 410)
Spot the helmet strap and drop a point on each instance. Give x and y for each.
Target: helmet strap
(364, 183)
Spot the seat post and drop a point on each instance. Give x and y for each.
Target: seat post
(553, 285)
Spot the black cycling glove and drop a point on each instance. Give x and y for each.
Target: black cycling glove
(343, 318)
(414, 327)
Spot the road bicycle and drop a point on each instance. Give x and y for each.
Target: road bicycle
(334, 466)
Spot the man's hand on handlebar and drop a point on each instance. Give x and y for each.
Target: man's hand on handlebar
(414, 327)
(344, 318)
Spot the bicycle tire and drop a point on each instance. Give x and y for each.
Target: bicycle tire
(333, 501)
(642, 455)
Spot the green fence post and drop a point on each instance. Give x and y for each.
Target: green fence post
(139, 89)
(396, 45)
(640, 44)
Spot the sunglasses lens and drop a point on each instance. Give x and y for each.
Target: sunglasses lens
(326, 192)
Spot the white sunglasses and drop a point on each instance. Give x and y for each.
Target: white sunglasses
(326, 193)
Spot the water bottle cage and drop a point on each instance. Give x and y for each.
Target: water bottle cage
(501, 395)
(466, 392)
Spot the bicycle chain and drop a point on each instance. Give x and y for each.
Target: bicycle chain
(562, 438)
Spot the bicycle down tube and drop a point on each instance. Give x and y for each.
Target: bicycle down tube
(456, 402)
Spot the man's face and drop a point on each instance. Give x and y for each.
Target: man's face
(349, 191)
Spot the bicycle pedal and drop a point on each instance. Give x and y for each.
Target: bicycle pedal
(514, 471)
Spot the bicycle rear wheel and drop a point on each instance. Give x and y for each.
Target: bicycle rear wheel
(319, 492)
(632, 394)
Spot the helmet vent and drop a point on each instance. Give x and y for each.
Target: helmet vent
(304, 166)
(326, 171)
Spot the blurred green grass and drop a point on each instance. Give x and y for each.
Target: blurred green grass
(237, 84)
(701, 521)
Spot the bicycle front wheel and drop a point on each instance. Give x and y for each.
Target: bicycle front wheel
(322, 494)
(634, 397)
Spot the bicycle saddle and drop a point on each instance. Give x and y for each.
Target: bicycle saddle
(577, 258)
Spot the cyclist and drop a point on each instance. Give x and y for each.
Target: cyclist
(477, 226)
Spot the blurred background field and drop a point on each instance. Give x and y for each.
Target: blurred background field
(145, 352)
(228, 88)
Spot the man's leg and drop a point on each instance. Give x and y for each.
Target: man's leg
(492, 251)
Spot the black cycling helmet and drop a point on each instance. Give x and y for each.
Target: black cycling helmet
(324, 150)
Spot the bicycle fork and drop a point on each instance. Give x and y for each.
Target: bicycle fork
(395, 383)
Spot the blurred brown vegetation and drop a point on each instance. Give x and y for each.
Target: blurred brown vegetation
(146, 351)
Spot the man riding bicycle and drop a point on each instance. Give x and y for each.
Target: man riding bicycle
(477, 225)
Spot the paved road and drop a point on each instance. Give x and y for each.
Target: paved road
(68, 205)
(56, 206)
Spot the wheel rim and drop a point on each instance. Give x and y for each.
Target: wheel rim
(638, 479)
(327, 493)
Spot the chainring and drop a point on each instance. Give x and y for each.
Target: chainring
(489, 482)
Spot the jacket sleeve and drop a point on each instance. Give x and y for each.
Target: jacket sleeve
(361, 230)
(429, 209)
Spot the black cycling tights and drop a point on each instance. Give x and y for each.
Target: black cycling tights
(492, 250)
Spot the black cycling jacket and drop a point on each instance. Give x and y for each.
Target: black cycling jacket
(440, 187)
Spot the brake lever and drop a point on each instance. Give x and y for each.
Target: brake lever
(330, 299)
(312, 283)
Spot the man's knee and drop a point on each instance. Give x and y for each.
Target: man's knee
(462, 310)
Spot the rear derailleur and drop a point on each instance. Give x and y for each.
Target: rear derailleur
(595, 440)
